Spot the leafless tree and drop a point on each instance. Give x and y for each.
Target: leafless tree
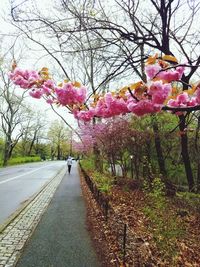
(34, 130)
(59, 137)
(13, 116)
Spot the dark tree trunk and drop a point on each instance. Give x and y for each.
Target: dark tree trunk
(198, 176)
(32, 144)
(97, 155)
(147, 171)
(98, 161)
(197, 153)
(58, 152)
(185, 152)
(52, 154)
(136, 165)
(159, 151)
(112, 169)
(7, 151)
(6, 157)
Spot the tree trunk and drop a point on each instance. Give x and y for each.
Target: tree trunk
(7, 151)
(185, 152)
(198, 177)
(112, 169)
(58, 152)
(97, 155)
(136, 165)
(197, 153)
(159, 151)
(97, 160)
(5, 157)
(31, 145)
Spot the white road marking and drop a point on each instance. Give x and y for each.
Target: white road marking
(18, 176)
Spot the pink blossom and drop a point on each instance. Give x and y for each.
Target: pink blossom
(131, 103)
(36, 93)
(143, 107)
(101, 108)
(48, 86)
(149, 98)
(173, 103)
(110, 106)
(171, 75)
(69, 95)
(81, 94)
(155, 87)
(152, 70)
(84, 115)
(192, 102)
(65, 94)
(24, 78)
(198, 95)
(183, 99)
(50, 101)
(115, 106)
(180, 70)
(159, 92)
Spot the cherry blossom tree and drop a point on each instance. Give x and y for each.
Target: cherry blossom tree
(162, 91)
(162, 30)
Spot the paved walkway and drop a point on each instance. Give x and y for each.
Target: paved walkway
(61, 238)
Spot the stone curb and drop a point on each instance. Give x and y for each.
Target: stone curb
(20, 227)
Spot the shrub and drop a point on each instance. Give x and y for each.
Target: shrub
(20, 160)
(88, 164)
(103, 181)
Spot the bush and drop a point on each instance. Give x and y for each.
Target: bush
(103, 181)
(88, 164)
(21, 160)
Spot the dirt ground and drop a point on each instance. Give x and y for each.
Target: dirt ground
(141, 249)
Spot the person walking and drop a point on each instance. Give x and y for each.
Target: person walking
(69, 164)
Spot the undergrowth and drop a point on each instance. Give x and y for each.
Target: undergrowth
(104, 181)
(20, 160)
(164, 224)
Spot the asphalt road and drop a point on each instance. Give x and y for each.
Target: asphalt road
(19, 183)
(61, 239)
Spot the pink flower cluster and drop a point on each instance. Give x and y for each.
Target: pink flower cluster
(109, 105)
(159, 92)
(69, 95)
(140, 100)
(84, 115)
(24, 78)
(65, 95)
(156, 71)
(44, 88)
(184, 100)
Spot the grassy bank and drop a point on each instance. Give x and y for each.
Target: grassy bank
(21, 160)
